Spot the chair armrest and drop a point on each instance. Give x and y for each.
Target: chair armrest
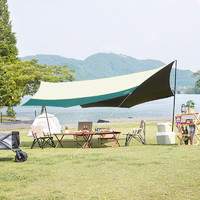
(47, 134)
(135, 130)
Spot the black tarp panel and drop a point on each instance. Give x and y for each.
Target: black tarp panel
(156, 87)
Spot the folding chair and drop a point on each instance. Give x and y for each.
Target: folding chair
(137, 134)
(40, 138)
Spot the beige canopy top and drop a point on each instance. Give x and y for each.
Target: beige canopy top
(138, 87)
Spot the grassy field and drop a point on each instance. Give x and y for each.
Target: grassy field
(135, 172)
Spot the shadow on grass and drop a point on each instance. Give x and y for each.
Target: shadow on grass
(6, 159)
(168, 145)
(71, 144)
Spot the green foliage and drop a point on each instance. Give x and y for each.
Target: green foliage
(10, 112)
(23, 78)
(197, 74)
(8, 55)
(8, 49)
(190, 104)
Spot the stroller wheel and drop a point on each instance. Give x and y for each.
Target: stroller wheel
(21, 156)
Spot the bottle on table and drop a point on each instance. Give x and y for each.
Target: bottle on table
(186, 137)
(186, 130)
(182, 130)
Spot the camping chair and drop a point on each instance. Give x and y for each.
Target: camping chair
(40, 138)
(137, 134)
(81, 127)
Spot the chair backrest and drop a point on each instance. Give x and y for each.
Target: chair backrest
(142, 123)
(82, 124)
(141, 129)
(37, 131)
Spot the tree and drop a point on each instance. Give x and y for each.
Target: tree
(24, 77)
(197, 74)
(19, 78)
(8, 49)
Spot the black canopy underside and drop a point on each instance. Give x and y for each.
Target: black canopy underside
(155, 87)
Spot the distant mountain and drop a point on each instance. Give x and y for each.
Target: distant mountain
(103, 65)
(47, 59)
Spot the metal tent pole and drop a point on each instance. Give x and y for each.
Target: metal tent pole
(47, 120)
(174, 95)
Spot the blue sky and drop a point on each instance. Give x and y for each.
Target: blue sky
(165, 30)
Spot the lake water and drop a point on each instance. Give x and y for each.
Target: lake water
(72, 115)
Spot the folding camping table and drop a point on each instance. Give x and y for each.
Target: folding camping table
(87, 136)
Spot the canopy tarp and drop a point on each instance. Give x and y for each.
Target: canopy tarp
(108, 92)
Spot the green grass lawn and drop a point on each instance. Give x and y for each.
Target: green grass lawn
(135, 172)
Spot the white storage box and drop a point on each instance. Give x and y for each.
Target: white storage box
(165, 138)
(164, 127)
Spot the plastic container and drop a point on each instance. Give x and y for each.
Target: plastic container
(166, 138)
(164, 135)
(164, 127)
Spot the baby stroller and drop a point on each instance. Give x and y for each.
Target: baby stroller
(11, 141)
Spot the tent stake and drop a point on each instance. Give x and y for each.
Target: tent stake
(47, 120)
(174, 96)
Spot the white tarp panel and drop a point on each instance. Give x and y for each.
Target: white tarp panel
(90, 88)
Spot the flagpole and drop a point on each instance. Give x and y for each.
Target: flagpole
(174, 95)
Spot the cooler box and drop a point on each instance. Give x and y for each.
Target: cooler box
(164, 127)
(166, 138)
(164, 135)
